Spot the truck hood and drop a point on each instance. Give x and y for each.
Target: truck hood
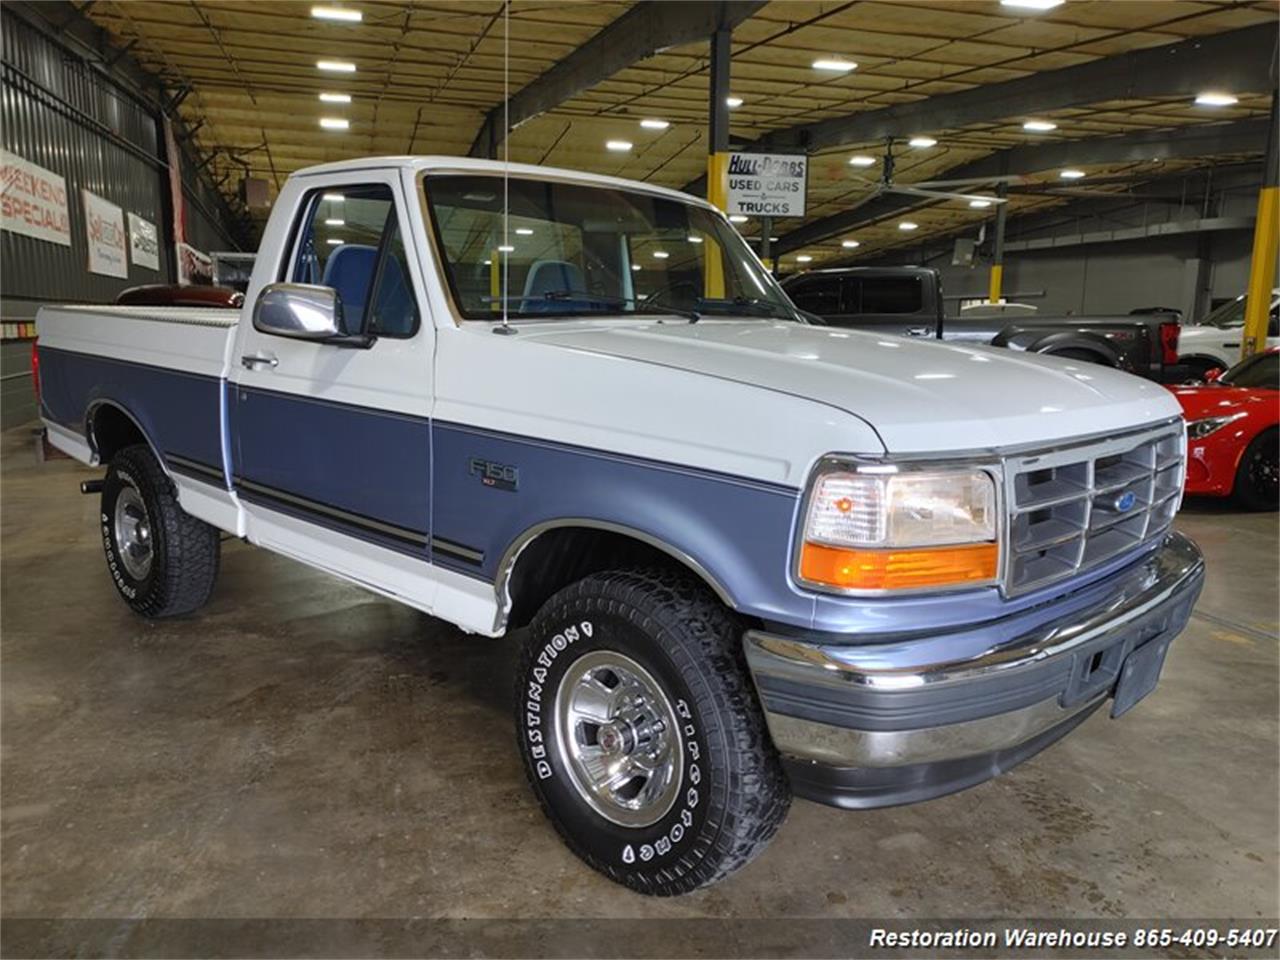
(919, 396)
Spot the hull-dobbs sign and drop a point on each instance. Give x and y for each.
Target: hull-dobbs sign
(767, 184)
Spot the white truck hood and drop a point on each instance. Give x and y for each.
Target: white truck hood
(919, 396)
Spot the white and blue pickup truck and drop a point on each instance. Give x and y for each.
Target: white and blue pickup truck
(755, 557)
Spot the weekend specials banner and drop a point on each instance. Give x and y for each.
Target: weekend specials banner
(33, 201)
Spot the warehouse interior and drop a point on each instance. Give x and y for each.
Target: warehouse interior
(306, 748)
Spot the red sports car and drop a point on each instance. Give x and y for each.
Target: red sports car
(1232, 437)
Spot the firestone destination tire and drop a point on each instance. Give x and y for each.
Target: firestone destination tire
(641, 733)
(163, 561)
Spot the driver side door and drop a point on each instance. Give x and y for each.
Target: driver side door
(331, 446)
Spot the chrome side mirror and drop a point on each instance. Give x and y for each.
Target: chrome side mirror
(304, 311)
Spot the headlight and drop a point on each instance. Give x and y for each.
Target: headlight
(1199, 429)
(878, 528)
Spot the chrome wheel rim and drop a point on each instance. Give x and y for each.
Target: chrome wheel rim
(133, 533)
(618, 738)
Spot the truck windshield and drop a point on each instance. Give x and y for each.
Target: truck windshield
(1230, 314)
(573, 250)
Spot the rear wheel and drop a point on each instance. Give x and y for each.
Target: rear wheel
(163, 560)
(1257, 485)
(641, 734)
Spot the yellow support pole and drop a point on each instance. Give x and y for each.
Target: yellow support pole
(997, 277)
(717, 194)
(1262, 272)
(1266, 239)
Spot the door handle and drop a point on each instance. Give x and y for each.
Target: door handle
(251, 361)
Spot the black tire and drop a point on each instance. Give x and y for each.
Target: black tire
(732, 794)
(182, 563)
(1255, 486)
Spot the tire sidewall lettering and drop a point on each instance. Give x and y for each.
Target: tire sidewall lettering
(669, 837)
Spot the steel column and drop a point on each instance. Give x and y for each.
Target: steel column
(997, 258)
(718, 116)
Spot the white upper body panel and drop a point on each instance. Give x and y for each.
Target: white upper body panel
(191, 339)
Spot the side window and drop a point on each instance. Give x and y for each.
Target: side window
(820, 295)
(393, 312)
(349, 240)
(892, 295)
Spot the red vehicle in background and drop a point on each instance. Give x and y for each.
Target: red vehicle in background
(1233, 438)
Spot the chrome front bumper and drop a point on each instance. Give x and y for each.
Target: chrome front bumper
(888, 720)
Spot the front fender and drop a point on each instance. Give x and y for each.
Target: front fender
(737, 532)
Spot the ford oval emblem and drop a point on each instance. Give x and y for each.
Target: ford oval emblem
(1124, 503)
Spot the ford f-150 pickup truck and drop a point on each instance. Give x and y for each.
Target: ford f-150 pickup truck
(907, 301)
(755, 557)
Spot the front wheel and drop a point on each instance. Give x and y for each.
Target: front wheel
(1257, 485)
(163, 560)
(641, 734)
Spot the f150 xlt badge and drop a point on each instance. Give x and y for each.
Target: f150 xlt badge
(500, 476)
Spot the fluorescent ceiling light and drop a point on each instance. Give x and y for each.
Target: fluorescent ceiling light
(488, 263)
(618, 146)
(803, 258)
(834, 65)
(1071, 174)
(1032, 4)
(654, 124)
(661, 254)
(334, 197)
(334, 240)
(1039, 126)
(336, 66)
(850, 244)
(978, 203)
(1209, 99)
(733, 102)
(335, 223)
(506, 249)
(738, 218)
(337, 13)
(862, 161)
(335, 98)
(773, 239)
(922, 142)
(334, 123)
(524, 231)
(636, 266)
(907, 225)
(695, 239)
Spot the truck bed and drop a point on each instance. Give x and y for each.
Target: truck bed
(164, 363)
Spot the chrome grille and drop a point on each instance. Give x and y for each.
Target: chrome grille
(1073, 508)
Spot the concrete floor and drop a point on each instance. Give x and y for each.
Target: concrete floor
(302, 748)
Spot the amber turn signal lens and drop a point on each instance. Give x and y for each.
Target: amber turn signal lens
(898, 569)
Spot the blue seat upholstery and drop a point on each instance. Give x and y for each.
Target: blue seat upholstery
(349, 271)
(552, 276)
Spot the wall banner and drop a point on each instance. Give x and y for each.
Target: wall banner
(144, 243)
(33, 201)
(104, 228)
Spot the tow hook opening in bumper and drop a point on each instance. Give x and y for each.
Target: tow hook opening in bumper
(896, 721)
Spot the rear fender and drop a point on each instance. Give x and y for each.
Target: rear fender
(1037, 341)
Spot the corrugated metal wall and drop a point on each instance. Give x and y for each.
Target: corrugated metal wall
(60, 112)
(55, 111)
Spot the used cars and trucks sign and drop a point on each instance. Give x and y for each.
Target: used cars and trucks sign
(104, 228)
(767, 184)
(33, 200)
